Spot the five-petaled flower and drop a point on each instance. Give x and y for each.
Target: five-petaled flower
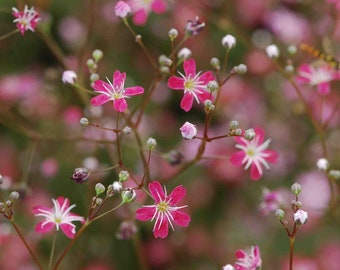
(194, 84)
(58, 216)
(165, 210)
(26, 20)
(141, 9)
(114, 91)
(319, 76)
(247, 261)
(254, 153)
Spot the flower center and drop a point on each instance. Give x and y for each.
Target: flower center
(162, 207)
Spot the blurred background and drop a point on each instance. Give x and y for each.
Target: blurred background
(41, 141)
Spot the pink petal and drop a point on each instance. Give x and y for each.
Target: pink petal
(177, 195)
(182, 219)
(68, 230)
(156, 191)
(158, 6)
(145, 213)
(259, 135)
(176, 83)
(236, 158)
(189, 67)
(134, 90)
(240, 140)
(40, 228)
(38, 209)
(140, 17)
(118, 79)
(161, 230)
(273, 156)
(305, 68)
(186, 102)
(255, 174)
(324, 88)
(120, 104)
(101, 86)
(207, 77)
(204, 96)
(100, 100)
(240, 254)
(61, 201)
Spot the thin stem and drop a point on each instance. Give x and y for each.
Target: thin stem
(291, 251)
(52, 251)
(107, 212)
(27, 165)
(25, 243)
(9, 34)
(120, 159)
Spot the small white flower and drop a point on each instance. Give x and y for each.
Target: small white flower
(229, 41)
(188, 131)
(272, 51)
(322, 164)
(69, 76)
(300, 217)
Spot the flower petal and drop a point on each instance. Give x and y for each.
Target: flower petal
(158, 6)
(145, 213)
(206, 77)
(140, 17)
(177, 195)
(134, 90)
(118, 79)
(161, 230)
(324, 88)
(176, 83)
(255, 173)
(100, 100)
(156, 191)
(38, 209)
(189, 67)
(120, 104)
(272, 156)
(68, 230)
(237, 158)
(186, 102)
(43, 227)
(101, 86)
(204, 95)
(259, 135)
(181, 218)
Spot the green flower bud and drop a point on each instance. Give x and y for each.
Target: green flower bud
(151, 143)
(128, 195)
(123, 176)
(99, 188)
(84, 122)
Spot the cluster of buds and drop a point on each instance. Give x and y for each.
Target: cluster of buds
(234, 129)
(323, 165)
(92, 64)
(6, 206)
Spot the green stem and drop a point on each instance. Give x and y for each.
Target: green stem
(52, 251)
(25, 243)
(291, 251)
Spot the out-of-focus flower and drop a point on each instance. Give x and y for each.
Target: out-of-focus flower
(72, 32)
(126, 230)
(193, 28)
(69, 76)
(165, 210)
(194, 84)
(141, 9)
(319, 76)
(26, 20)
(253, 154)
(322, 164)
(247, 261)
(80, 175)
(229, 41)
(114, 91)
(188, 131)
(184, 53)
(300, 217)
(272, 51)
(271, 200)
(58, 216)
(122, 9)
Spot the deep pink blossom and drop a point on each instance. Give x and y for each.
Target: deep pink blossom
(319, 76)
(114, 91)
(26, 20)
(165, 210)
(141, 9)
(254, 153)
(58, 216)
(247, 261)
(194, 84)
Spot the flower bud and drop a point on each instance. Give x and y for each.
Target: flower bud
(94, 77)
(300, 217)
(98, 201)
(334, 174)
(240, 69)
(126, 130)
(173, 33)
(123, 176)
(80, 175)
(280, 214)
(14, 196)
(164, 60)
(296, 189)
(117, 187)
(289, 69)
(69, 77)
(322, 164)
(99, 188)
(292, 49)
(212, 86)
(91, 64)
(122, 9)
(165, 70)
(234, 124)
(174, 157)
(184, 53)
(151, 143)
(84, 122)
(188, 131)
(208, 106)
(215, 63)
(128, 195)
(249, 134)
(229, 41)
(193, 28)
(272, 51)
(238, 132)
(97, 55)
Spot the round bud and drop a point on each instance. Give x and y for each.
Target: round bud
(99, 188)
(249, 134)
(234, 124)
(14, 196)
(123, 176)
(117, 187)
(97, 55)
(128, 195)
(173, 33)
(215, 63)
(296, 189)
(126, 130)
(151, 143)
(84, 122)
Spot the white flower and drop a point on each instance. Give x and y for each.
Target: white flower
(272, 51)
(300, 217)
(188, 131)
(322, 164)
(69, 76)
(229, 41)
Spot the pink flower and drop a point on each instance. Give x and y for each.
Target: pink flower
(319, 76)
(194, 84)
(59, 216)
(271, 200)
(164, 211)
(26, 20)
(142, 8)
(114, 91)
(253, 153)
(188, 131)
(248, 261)
(122, 9)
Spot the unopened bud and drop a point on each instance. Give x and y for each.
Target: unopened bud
(212, 86)
(289, 69)
(229, 41)
(240, 69)
(173, 33)
(292, 49)
(14, 196)
(128, 195)
(84, 122)
(193, 28)
(238, 132)
(184, 53)
(279, 213)
(151, 143)
(97, 55)
(174, 157)
(322, 164)
(99, 201)
(94, 77)
(249, 134)
(215, 63)
(188, 130)
(273, 51)
(334, 174)
(117, 186)
(123, 176)
(296, 189)
(234, 124)
(69, 77)
(164, 60)
(126, 130)
(80, 175)
(99, 188)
